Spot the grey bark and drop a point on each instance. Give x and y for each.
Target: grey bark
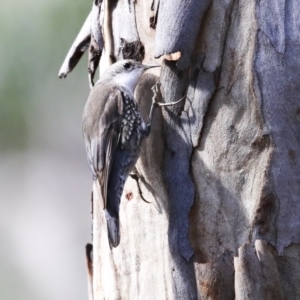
(221, 169)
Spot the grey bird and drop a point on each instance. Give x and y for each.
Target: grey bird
(113, 130)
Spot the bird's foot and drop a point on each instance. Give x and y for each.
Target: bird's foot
(137, 176)
(157, 102)
(156, 93)
(157, 97)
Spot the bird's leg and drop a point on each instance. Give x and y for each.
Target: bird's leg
(137, 176)
(155, 103)
(157, 95)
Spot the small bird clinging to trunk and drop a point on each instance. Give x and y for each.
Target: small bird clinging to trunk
(113, 130)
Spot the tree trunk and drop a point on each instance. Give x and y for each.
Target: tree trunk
(221, 169)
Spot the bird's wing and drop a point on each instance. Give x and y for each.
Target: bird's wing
(104, 139)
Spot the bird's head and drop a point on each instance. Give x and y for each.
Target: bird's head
(126, 73)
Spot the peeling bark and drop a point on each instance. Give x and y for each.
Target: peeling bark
(79, 46)
(256, 273)
(278, 80)
(177, 28)
(96, 43)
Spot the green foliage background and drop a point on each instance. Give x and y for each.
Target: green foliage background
(44, 179)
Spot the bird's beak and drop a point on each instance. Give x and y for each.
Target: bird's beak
(146, 67)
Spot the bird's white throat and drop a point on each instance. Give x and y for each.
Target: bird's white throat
(129, 80)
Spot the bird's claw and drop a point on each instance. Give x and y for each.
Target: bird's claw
(156, 93)
(156, 101)
(134, 174)
(158, 96)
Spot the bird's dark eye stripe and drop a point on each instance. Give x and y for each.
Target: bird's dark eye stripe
(127, 65)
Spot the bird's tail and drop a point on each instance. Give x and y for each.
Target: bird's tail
(113, 229)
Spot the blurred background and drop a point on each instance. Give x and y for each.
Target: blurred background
(45, 183)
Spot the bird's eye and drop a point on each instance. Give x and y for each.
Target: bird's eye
(127, 65)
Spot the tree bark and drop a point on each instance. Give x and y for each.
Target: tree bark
(221, 169)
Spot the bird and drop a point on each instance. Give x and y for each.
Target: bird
(113, 130)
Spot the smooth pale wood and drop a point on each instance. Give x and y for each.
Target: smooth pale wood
(256, 273)
(248, 275)
(267, 258)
